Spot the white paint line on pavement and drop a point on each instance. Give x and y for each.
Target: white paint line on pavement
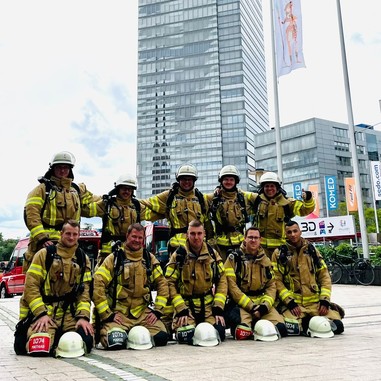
(111, 369)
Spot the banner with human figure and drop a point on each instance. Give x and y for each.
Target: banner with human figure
(314, 189)
(288, 36)
(350, 194)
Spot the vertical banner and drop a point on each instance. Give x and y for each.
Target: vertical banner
(314, 189)
(350, 194)
(288, 36)
(297, 190)
(331, 192)
(375, 173)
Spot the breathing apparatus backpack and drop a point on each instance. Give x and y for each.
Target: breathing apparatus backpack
(69, 298)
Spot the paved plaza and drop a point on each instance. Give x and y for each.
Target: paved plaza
(354, 355)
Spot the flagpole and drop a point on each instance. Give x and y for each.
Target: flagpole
(278, 138)
(351, 131)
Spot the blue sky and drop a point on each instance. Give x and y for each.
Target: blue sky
(68, 82)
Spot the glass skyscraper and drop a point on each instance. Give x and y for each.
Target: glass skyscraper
(202, 92)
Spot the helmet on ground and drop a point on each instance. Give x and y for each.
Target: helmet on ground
(264, 330)
(63, 157)
(127, 180)
(319, 326)
(116, 338)
(70, 345)
(187, 170)
(185, 334)
(229, 170)
(243, 332)
(269, 177)
(39, 344)
(205, 335)
(139, 338)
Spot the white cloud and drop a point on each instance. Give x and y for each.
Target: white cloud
(68, 77)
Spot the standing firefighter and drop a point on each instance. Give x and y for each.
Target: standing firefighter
(180, 205)
(57, 295)
(272, 210)
(122, 296)
(229, 208)
(53, 202)
(198, 287)
(252, 288)
(119, 209)
(304, 287)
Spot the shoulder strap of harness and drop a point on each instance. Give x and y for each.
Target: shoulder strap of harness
(136, 203)
(242, 204)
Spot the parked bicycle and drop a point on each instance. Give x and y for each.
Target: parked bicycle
(356, 268)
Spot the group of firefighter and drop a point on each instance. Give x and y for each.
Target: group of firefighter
(262, 282)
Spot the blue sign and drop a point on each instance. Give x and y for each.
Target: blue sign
(297, 191)
(331, 192)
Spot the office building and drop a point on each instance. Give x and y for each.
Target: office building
(202, 93)
(315, 148)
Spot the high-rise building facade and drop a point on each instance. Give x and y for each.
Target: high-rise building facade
(202, 92)
(315, 148)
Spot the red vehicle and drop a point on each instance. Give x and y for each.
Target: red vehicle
(13, 279)
(156, 240)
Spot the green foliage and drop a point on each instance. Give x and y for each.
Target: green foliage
(376, 258)
(6, 248)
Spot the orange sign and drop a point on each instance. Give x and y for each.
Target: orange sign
(314, 189)
(350, 194)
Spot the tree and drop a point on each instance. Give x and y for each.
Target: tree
(6, 247)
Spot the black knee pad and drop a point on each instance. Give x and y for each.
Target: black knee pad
(161, 339)
(282, 329)
(87, 339)
(339, 327)
(221, 331)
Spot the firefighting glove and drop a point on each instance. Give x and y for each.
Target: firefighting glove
(217, 311)
(109, 319)
(184, 312)
(291, 305)
(158, 314)
(308, 195)
(325, 303)
(261, 309)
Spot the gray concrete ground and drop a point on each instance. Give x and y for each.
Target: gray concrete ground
(354, 355)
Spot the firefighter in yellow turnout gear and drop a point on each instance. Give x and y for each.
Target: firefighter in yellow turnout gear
(53, 202)
(303, 281)
(180, 205)
(252, 287)
(197, 282)
(230, 208)
(58, 297)
(118, 210)
(122, 293)
(272, 210)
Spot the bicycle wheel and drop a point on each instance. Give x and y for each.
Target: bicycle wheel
(335, 270)
(363, 272)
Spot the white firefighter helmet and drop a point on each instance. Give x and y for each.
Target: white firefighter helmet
(70, 345)
(269, 177)
(319, 326)
(139, 338)
(128, 180)
(229, 170)
(63, 157)
(187, 170)
(205, 335)
(264, 330)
